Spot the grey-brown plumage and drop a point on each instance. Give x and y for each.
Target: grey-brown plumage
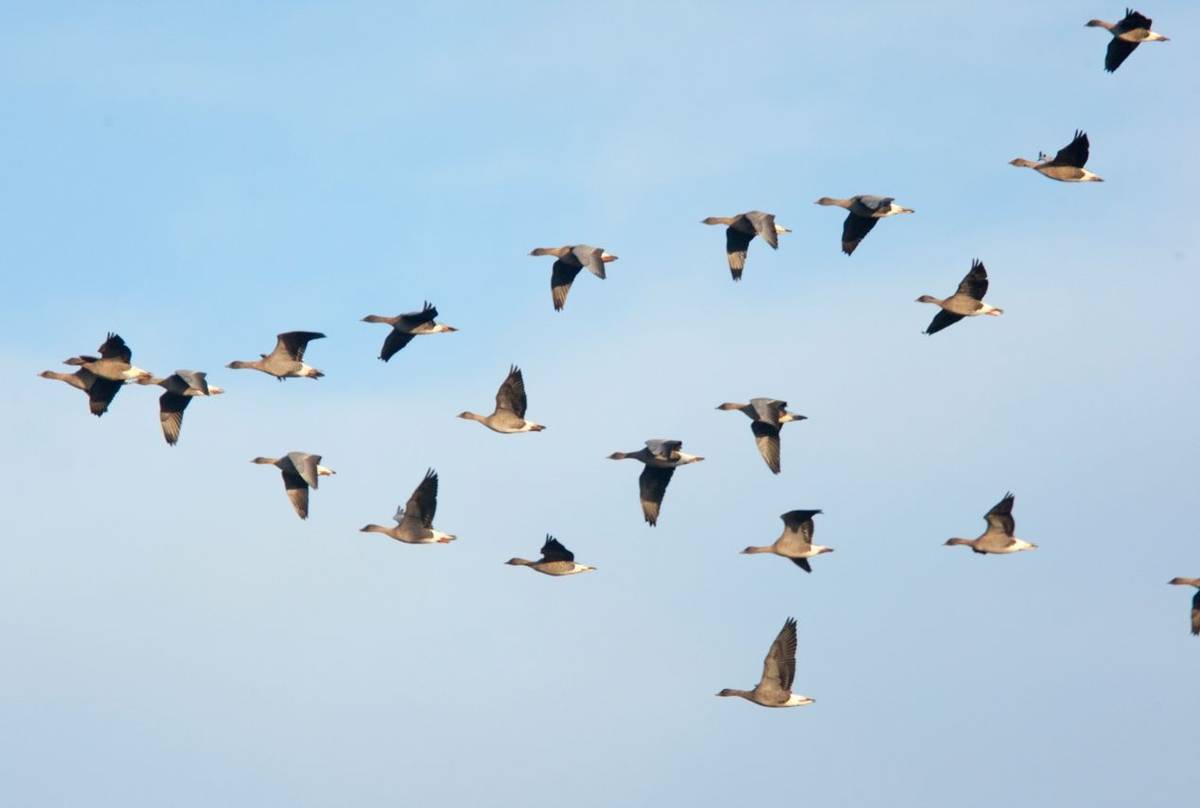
(1195, 600)
(556, 560)
(569, 260)
(406, 326)
(511, 402)
(966, 302)
(181, 387)
(286, 359)
(1067, 165)
(301, 471)
(864, 211)
(740, 230)
(100, 392)
(795, 543)
(767, 417)
(774, 689)
(414, 521)
(1127, 34)
(999, 538)
(115, 362)
(661, 458)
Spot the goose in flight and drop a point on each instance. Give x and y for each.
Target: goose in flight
(779, 669)
(740, 230)
(100, 392)
(1127, 34)
(181, 387)
(795, 543)
(1067, 165)
(407, 326)
(1195, 600)
(661, 457)
(569, 260)
(301, 471)
(555, 560)
(509, 415)
(286, 361)
(966, 302)
(414, 522)
(865, 211)
(767, 417)
(998, 538)
(114, 363)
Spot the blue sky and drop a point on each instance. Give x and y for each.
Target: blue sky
(199, 177)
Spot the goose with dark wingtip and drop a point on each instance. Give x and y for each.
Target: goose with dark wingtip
(741, 229)
(1195, 600)
(407, 326)
(286, 360)
(568, 261)
(767, 417)
(181, 387)
(864, 211)
(511, 403)
(1131, 31)
(114, 363)
(301, 471)
(1067, 165)
(795, 543)
(556, 560)
(999, 538)
(661, 458)
(966, 302)
(774, 689)
(414, 521)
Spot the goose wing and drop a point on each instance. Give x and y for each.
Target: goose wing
(412, 319)
(736, 243)
(1196, 613)
(1133, 21)
(553, 550)
(297, 492)
(305, 466)
(943, 319)
(764, 226)
(395, 340)
(975, 283)
(115, 348)
(652, 486)
(1118, 51)
(854, 230)
(511, 395)
(170, 415)
(766, 437)
(100, 391)
(422, 505)
(590, 257)
(664, 449)
(562, 275)
(1075, 153)
(293, 343)
(779, 667)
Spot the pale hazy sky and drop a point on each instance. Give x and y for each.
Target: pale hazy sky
(199, 177)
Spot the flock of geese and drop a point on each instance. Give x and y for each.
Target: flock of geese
(102, 376)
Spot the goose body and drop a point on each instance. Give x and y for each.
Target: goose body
(407, 326)
(115, 362)
(795, 543)
(741, 229)
(967, 301)
(767, 417)
(661, 458)
(999, 538)
(1131, 31)
(774, 689)
(864, 211)
(181, 387)
(286, 360)
(1067, 165)
(1195, 600)
(568, 261)
(301, 471)
(556, 560)
(511, 403)
(414, 521)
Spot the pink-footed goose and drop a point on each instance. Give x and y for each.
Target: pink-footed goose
(556, 560)
(966, 302)
(511, 402)
(569, 260)
(414, 522)
(407, 326)
(1127, 34)
(767, 417)
(181, 387)
(865, 211)
(114, 363)
(1195, 600)
(661, 458)
(286, 360)
(774, 689)
(1067, 165)
(795, 543)
(301, 471)
(999, 538)
(741, 229)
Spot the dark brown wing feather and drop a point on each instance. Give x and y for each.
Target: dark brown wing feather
(394, 341)
(297, 492)
(553, 550)
(1196, 613)
(511, 395)
(1074, 153)
(100, 392)
(975, 283)
(779, 668)
(802, 563)
(767, 437)
(943, 319)
(562, 275)
(854, 230)
(1000, 516)
(170, 414)
(736, 244)
(115, 348)
(294, 343)
(652, 486)
(422, 505)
